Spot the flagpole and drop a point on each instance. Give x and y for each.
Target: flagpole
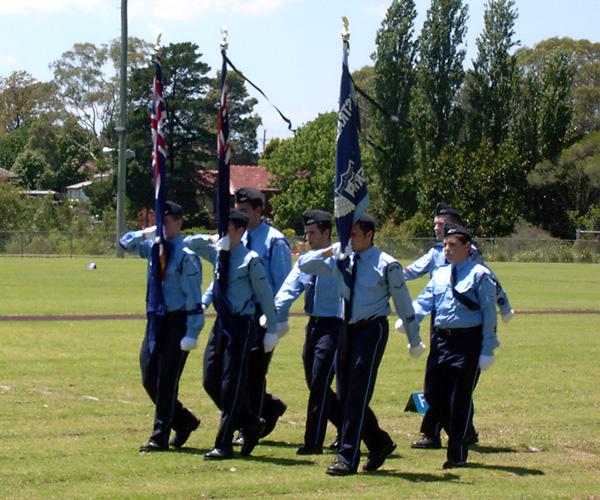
(120, 129)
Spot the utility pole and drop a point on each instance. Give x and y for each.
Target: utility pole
(120, 129)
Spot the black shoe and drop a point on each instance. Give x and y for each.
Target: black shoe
(307, 449)
(376, 458)
(428, 442)
(182, 435)
(271, 418)
(472, 438)
(340, 469)
(152, 446)
(251, 436)
(453, 465)
(336, 444)
(239, 441)
(218, 454)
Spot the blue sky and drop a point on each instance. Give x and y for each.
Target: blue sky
(290, 48)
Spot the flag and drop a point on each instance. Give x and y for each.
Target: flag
(155, 301)
(351, 198)
(221, 302)
(223, 160)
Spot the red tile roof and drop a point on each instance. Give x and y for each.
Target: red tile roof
(241, 176)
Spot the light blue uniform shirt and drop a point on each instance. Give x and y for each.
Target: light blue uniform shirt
(327, 298)
(379, 277)
(247, 278)
(435, 258)
(274, 250)
(183, 278)
(473, 281)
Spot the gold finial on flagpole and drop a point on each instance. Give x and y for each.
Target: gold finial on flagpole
(157, 46)
(345, 32)
(224, 33)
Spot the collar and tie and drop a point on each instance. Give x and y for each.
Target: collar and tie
(309, 302)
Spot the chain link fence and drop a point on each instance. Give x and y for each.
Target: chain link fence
(66, 244)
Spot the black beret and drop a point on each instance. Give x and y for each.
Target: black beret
(313, 216)
(443, 209)
(172, 208)
(236, 215)
(453, 229)
(250, 195)
(368, 220)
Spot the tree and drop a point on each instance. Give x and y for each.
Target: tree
(19, 100)
(492, 81)
(190, 133)
(484, 185)
(585, 93)
(88, 80)
(11, 209)
(570, 183)
(29, 166)
(304, 167)
(440, 74)
(393, 80)
(12, 144)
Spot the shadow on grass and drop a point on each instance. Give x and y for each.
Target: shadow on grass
(517, 471)
(255, 458)
(491, 449)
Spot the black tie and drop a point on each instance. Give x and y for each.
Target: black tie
(352, 282)
(309, 302)
(249, 242)
(463, 299)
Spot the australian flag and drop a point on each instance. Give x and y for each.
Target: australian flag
(221, 302)
(155, 301)
(350, 190)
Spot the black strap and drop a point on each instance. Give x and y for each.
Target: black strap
(463, 299)
(285, 119)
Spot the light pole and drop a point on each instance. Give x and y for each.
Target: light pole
(120, 129)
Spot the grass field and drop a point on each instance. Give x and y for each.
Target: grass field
(73, 412)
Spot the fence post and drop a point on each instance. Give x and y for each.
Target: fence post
(71, 243)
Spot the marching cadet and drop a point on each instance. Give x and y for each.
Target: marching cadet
(463, 339)
(273, 249)
(162, 368)
(428, 263)
(377, 278)
(227, 352)
(323, 305)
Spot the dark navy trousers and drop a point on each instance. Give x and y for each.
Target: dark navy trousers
(450, 377)
(318, 355)
(160, 376)
(357, 360)
(225, 377)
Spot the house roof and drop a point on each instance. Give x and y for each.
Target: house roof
(240, 176)
(79, 185)
(5, 174)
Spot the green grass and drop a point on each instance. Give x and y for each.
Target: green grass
(73, 412)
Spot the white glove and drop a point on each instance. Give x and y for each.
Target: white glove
(282, 328)
(485, 362)
(416, 351)
(150, 233)
(223, 244)
(263, 321)
(270, 341)
(213, 238)
(508, 316)
(399, 325)
(336, 248)
(188, 343)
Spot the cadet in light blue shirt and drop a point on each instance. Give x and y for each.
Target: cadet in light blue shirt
(428, 263)
(463, 340)
(226, 356)
(377, 278)
(162, 369)
(323, 305)
(435, 258)
(274, 250)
